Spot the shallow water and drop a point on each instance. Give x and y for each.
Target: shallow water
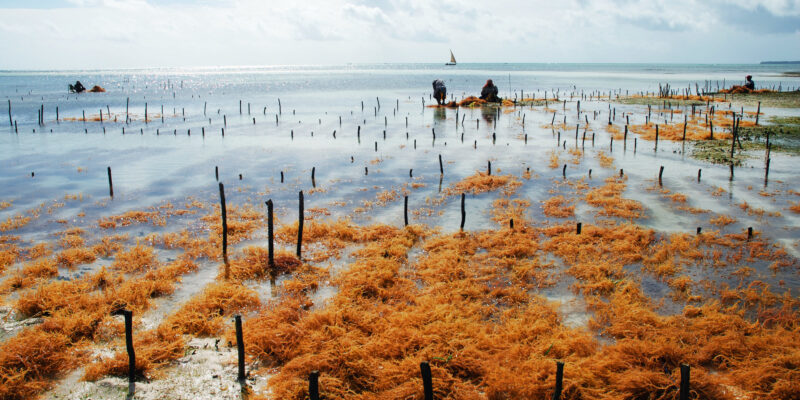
(158, 162)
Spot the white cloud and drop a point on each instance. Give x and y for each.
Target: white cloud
(133, 33)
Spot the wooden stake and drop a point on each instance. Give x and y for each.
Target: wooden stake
(559, 380)
(271, 235)
(711, 128)
(405, 210)
(656, 147)
(110, 184)
(313, 385)
(758, 112)
(463, 211)
(240, 347)
(427, 381)
(684, 128)
(684, 391)
(300, 226)
(660, 172)
(441, 165)
(224, 213)
(128, 315)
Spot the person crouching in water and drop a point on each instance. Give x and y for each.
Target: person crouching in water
(748, 82)
(489, 92)
(439, 92)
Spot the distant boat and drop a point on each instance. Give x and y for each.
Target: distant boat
(452, 59)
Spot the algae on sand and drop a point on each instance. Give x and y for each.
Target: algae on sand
(719, 151)
(769, 99)
(783, 138)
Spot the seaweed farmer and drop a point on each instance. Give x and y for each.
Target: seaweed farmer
(77, 87)
(489, 92)
(439, 91)
(748, 82)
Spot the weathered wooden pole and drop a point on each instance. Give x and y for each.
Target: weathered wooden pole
(110, 184)
(427, 381)
(685, 387)
(405, 210)
(240, 348)
(128, 315)
(711, 128)
(660, 172)
(224, 215)
(441, 165)
(559, 380)
(656, 146)
(10, 121)
(758, 112)
(313, 385)
(271, 235)
(463, 210)
(684, 128)
(300, 225)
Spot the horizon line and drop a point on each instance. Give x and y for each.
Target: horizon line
(256, 66)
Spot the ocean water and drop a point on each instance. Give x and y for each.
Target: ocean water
(171, 160)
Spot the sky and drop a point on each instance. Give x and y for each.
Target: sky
(97, 34)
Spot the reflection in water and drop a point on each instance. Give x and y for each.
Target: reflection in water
(439, 114)
(489, 114)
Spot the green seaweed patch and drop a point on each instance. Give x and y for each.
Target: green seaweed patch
(768, 99)
(537, 102)
(655, 101)
(782, 138)
(719, 151)
(793, 120)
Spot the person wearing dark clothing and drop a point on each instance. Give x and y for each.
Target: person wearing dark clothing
(439, 91)
(77, 87)
(489, 92)
(748, 82)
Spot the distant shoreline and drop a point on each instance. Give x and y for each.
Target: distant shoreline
(779, 62)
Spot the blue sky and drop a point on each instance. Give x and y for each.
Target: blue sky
(49, 34)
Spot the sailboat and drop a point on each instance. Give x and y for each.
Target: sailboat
(452, 59)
